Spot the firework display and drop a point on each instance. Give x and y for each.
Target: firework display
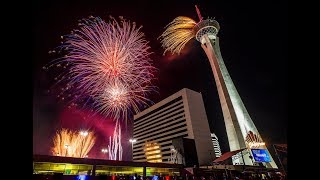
(114, 148)
(177, 34)
(105, 65)
(73, 143)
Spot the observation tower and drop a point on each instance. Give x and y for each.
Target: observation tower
(241, 131)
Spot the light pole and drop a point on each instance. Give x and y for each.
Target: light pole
(132, 141)
(66, 146)
(104, 151)
(84, 134)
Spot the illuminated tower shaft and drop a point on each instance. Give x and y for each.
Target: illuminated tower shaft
(236, 117)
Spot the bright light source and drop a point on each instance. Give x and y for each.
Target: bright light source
(83, 133)
(104, 150)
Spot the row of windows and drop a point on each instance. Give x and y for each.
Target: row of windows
(150, 126)
(180, 132)
(167, 143)
(176, 137)
(157, 109)
(166, 154)
(167, 110)
(163, 144)
(158, 119)
(141, 153)
(156, 130)
(164, 135)
(164, 158)
(169, 122)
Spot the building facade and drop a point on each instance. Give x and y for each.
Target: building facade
(216, 145)
(181, 115)
(152, 151)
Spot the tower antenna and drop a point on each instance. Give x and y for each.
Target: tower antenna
(199, 14)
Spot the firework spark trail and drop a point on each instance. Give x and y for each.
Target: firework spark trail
(177, 34)
(119, 96)
(101, 57)
(114, 148)
(72, 143)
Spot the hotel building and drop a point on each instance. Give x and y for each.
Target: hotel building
(181, 115)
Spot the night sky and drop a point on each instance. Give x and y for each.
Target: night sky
(253, 42)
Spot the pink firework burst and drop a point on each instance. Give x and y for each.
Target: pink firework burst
(106, 65)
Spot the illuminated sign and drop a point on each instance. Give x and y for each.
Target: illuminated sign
(260, 155)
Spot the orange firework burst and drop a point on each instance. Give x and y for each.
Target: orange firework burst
(73, 143)
(177, 34)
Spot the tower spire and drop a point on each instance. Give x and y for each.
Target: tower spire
(199, 14)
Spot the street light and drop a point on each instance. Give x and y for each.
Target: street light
(104, 150)
(66, 146)
(84, 134)
(132, 141)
